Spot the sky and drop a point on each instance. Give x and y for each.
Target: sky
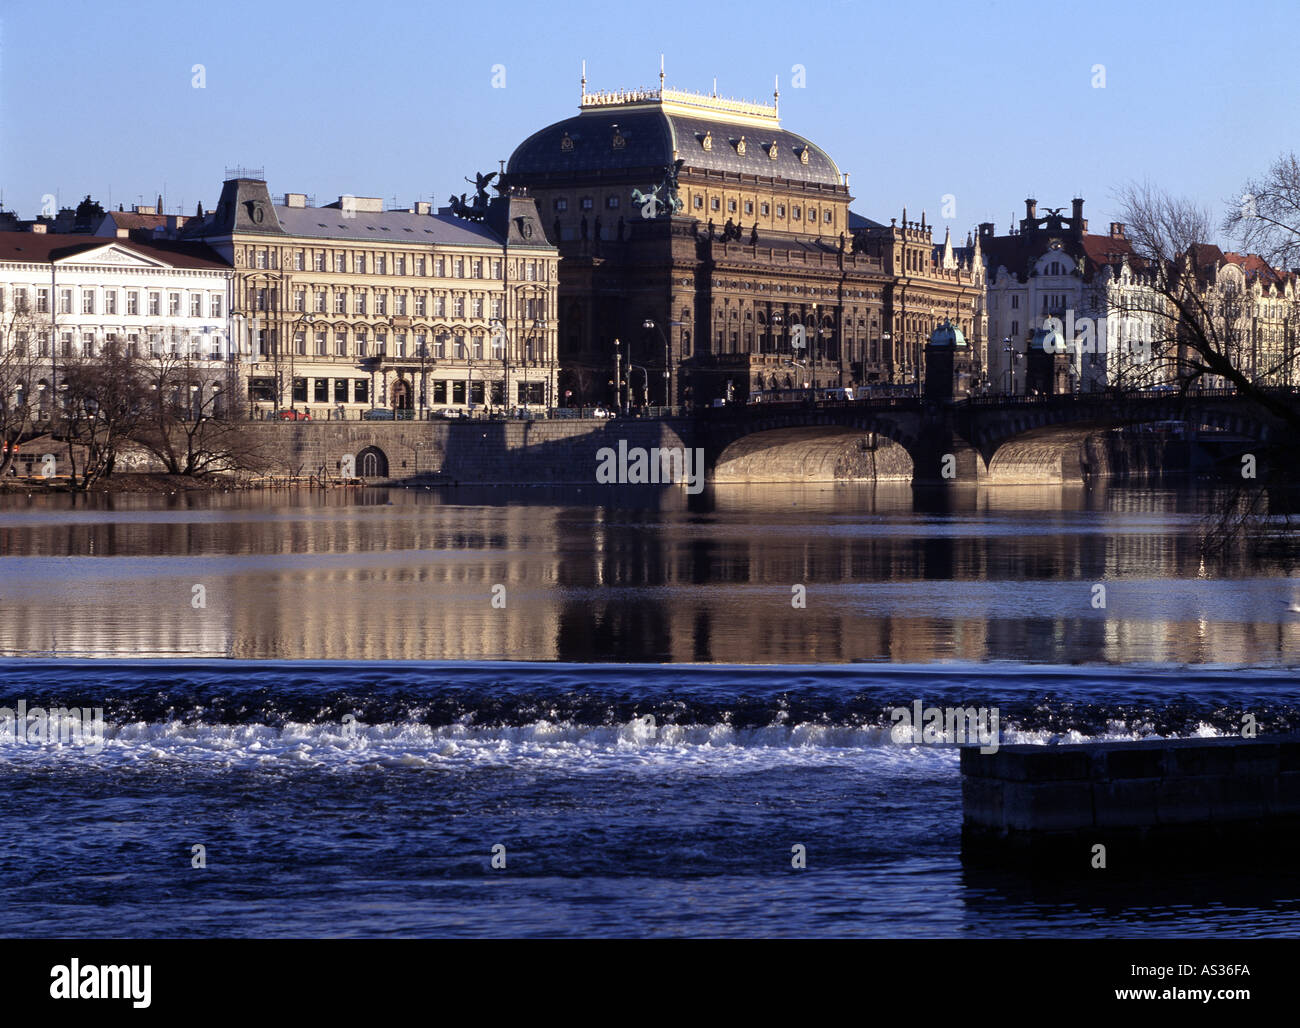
(986, 103)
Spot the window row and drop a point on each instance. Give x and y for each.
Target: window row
(344, 262)
(131, 302)
(363, 344)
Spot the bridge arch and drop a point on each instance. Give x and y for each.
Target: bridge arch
(372, 462)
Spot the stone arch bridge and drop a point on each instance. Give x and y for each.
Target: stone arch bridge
(1009, 439)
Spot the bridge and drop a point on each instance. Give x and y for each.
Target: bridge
(971, 441)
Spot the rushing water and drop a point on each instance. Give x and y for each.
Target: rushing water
(349, 725)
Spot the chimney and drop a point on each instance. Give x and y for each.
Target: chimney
(1117, 230)
(38, 227)
(423, 207)
(295, 199)
(1031, 210)
(986, 228)
(123, 233)
(1078, 211)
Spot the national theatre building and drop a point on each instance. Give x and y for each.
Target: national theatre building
(707, 252)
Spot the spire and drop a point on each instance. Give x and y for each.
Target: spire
(661, 73)
(584, 80)
(776, 93)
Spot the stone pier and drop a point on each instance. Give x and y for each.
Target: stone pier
(1151, 804)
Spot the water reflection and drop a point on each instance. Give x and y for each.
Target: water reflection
(637, 575)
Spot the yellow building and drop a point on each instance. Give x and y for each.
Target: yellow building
(340, 309)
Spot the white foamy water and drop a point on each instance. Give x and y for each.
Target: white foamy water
(555, 745)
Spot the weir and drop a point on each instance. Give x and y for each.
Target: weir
(1150, 805)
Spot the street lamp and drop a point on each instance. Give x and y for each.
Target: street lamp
(668, 357)
(1012, 359)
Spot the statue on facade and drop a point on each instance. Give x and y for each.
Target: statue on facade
(753, 235)
(663, 198)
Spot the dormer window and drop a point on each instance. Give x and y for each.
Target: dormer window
(618, 142)
(740, 146)
(566, 142)
(772, 152)
(803, 155)
(707, 141)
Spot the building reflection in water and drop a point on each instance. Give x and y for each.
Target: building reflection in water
(636, 575)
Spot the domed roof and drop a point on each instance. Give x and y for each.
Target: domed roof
(646, 130)
(948, 334)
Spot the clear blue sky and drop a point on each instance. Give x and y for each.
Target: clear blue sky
(991, 102)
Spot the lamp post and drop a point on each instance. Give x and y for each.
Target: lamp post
(618, 376)
(668, 356)
(1012, 359)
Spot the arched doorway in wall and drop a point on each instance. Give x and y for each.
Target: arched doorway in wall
(372, 462)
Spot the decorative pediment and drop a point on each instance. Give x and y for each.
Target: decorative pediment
(112, 254)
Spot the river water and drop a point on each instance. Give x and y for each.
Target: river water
(642, 704)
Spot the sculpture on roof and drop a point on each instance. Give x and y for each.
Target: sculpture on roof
(477, 210)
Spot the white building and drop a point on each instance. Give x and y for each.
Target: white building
(62, 297)
(1053, 276)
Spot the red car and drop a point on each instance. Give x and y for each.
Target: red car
(293, 415)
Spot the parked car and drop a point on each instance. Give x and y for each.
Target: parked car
(293, 415)
(451, 412)
(377, 414)
(602, 412)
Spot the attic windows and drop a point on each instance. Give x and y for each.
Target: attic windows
(803, 155)
(707, 141)
(566, 142)
(740, 146)
(772, 152)
(561, 205)
(618, 142)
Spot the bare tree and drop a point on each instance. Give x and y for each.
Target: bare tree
(1201, 320)
(103, 404)
(189, 422)
(19, 329)
(1266, 220)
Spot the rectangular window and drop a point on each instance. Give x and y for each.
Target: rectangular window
(361, 264)
(362, 345)
(440, 390)
(300, 261)
(65, 301)
(299, 390)
(381, 303)
(340, 302)
(261, 259)
(420, 300)
(458, 391)
(43, 301)
(440, 267)
(196, 305)
(321, 301)
(496, 306)
(381, 264)
(173, 305)
(496, 268)
(360, 390)
(155, 304)
(360, 306)
(340, 390)
(440, 305)
(460, 267)
(381, 344)
(419, 266)
(318, 260)
(87, 301)
(300, 299)
(132, 302)
(321, 350)
(399, 344)
(399, 265)
(300, 343)
(214, 306)
(478, 267)
(399, 304)
(340, 344)
(261, 389)
(110, 301)
(476, 307)
(340, 263)
(320, 390)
